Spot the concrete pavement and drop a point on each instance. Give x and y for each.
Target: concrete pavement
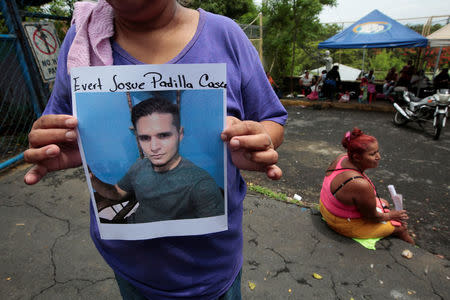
(46, 251)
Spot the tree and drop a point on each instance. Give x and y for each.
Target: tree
(290, 28)
(419, 27)
(383, 60)
(55, 7)
(234, 9)
(62, 8)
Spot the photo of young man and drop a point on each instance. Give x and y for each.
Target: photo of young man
(166, 185)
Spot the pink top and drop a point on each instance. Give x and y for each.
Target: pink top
(332, 204)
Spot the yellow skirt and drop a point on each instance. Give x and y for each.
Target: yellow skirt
(356, 228)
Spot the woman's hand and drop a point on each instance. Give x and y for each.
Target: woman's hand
(398, 215)
(52, 146)
(251, 145)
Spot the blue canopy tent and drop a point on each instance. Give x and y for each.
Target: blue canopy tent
(375, 30)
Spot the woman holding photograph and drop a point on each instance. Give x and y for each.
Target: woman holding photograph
(137, 32)
(349, 202)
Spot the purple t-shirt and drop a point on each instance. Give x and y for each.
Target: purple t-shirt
(203, 266)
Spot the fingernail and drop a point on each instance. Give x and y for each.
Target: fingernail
(51, 152)
(71, 122)
(234, 143)
(70, 135)
(223, 137)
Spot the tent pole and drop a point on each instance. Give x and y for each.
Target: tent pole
(437, 62)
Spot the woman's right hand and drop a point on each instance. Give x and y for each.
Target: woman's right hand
(398, 215)
(52, 146)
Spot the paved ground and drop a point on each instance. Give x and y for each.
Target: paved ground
(411, 160)
(46, 251)
(285, 245)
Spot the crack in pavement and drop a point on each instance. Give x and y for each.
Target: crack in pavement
(303, 281)
(282, 257)
(333, 286)
(252, 230)
(311, 253)
(287, 270)
(253, 263)
(396, 261)
(78, 289)
(253, 240)
(43, 291)
(52, 248)
(359, 283)
(284, 270)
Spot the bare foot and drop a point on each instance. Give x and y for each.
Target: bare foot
(402, 233)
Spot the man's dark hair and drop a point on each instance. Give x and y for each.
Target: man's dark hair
(155, 105)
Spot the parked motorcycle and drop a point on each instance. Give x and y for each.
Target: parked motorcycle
(432, 108)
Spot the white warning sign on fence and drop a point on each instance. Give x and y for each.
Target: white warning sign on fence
(44, 43)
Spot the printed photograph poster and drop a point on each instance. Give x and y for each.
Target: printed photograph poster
(149, 138)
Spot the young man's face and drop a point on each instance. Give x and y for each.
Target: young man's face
(159, 140)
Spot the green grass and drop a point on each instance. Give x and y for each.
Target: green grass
(274, 195)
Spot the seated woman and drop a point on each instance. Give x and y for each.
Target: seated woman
(348, 200)
(389, 82)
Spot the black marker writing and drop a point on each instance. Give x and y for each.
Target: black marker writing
(204, 82)
(157, 80)
(119, 86)
(90, 86)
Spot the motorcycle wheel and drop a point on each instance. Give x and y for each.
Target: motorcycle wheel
(438, 127)
(399, 119)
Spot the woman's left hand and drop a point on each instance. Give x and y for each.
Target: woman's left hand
(398, 215)
(251, 147)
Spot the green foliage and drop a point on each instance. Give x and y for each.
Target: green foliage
(3, 27)
(349, 57)
(419, 27)
(239, 10)
(267, 192)
(274, 195)
(289, 23)
(55, 7)
(63, 8)
(385, 59)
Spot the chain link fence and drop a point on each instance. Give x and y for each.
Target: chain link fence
(23, 93)
(254, 32)
(16, 109)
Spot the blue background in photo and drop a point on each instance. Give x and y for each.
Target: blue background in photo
(110, 146)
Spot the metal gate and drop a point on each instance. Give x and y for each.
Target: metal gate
(23, 94)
